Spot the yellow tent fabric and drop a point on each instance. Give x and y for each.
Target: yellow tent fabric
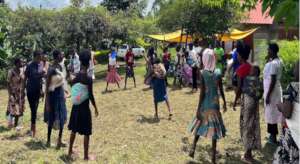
(236, 34)
(172, 37)
(175, 37)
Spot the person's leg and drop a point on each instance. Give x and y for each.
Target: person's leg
(192, 151)
(86, 146)
(134, 81)
(169, 108)
(59, 139)
(214, 150)
(50, 125)
(156, 113)
(273, 131)
(118, 84)
(194, 77)
(106, 86)
(125, 81)
(248, 155)
(72, 139)
(33, 100)
(16, 121)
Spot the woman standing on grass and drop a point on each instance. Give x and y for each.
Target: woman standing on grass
(159, 87)
(82, 93)
(112, 74)
(16, 93)
(56, 110)
(208, 122)
(272, 91)
(250, 90)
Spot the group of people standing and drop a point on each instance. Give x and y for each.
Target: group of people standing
(50, 80)
(202, 67)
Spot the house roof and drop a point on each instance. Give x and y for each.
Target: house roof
(256, 16)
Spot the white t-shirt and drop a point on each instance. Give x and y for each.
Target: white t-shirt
(273, 67)
(193, 55)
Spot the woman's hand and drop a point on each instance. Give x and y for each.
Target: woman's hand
(234, 106)
(96, 112)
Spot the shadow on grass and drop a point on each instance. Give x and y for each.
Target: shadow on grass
(3, 129)
(142, 119)
(66, 159)
(267, 152)
(13, 137)
(35, 145)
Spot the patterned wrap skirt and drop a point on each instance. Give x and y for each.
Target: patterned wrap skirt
(249, 123)
(287, 151)
(129, 71)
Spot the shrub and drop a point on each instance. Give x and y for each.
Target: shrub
(289, 54)
(3, 75)
(102, 56)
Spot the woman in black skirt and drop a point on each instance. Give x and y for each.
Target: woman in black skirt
(80, 119)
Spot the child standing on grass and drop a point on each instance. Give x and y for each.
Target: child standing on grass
(80, 119)
(160, 87)
(112, 74)
(208, 122)
(129, 59)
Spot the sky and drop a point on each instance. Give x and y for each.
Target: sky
(54, 3)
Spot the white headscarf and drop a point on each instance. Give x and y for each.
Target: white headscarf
(209, 59)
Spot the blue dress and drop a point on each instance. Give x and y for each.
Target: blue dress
(211, 123)
(159, 89)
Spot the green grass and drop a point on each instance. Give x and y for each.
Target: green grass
(125, 131)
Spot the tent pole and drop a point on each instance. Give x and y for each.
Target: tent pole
(181, 36)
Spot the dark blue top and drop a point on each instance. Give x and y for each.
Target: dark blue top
(236, 63)
(34, 78)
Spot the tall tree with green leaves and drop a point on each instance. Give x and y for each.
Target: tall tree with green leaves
(204, 18)
(115, 5)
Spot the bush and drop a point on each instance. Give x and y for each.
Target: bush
(102, 56)
(289, 54)
(3, 75)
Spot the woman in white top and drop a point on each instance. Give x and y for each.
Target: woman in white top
(272, 91)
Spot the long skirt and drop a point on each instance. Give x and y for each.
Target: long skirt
(57, 113)
(287, 151)
(159, 90)
(249, 123)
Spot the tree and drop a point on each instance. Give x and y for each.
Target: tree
(77, 3)
(203, 18)
(115, 5)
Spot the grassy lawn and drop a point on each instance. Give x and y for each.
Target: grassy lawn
(125, 131)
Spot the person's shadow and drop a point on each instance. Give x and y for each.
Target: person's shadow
(142, 119)
(35, 145)
(3, 129)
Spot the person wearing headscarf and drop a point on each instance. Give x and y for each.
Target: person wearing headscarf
(112, 74)
(250, 92)
(208, 121)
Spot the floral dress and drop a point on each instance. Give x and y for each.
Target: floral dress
(16, 92)
(211, 124)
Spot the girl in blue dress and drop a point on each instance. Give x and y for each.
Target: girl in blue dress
(208, 122)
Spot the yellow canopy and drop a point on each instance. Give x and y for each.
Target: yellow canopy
(173, 37)
(236, 34)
